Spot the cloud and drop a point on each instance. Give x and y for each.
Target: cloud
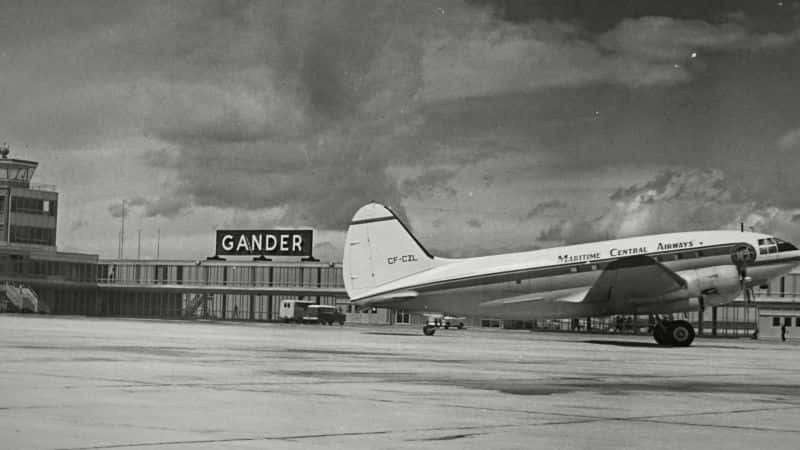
(693, 199)
(474, 223)
(790, 140)
(430, 183)
(645, 51)
(543, 207)
(665, 39)
(78, 224)
(307, 108)
(162, 206)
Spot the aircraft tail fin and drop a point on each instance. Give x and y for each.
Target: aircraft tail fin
(380, 249)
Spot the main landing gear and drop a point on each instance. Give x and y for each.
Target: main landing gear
(677, 333)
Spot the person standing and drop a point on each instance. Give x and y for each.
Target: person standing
(783, 332)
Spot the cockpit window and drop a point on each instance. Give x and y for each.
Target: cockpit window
(784, 246)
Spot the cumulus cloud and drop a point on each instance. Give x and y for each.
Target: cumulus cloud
(693, 199)
(313, 104)
(307, 107)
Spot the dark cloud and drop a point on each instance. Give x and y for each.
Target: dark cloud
(474, 223)
(168, 207)
(543, 207)
(430, 183)
(163, 206)
(308, 108)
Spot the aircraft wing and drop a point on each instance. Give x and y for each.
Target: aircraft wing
(629, 278)
(634, 277)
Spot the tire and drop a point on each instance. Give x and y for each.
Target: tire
(461, 325)
(428, 330)
(660, 335)
(681, 333)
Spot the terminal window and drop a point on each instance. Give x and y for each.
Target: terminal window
(33, 206)
(33, 235)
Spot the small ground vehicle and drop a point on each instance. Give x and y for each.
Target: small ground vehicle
(323, 314)
(293, 310)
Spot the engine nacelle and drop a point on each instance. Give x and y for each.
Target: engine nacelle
(717, 284)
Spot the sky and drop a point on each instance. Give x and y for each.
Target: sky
(488, 126)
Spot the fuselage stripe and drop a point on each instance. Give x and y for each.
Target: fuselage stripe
(376, 219)
(574, 268)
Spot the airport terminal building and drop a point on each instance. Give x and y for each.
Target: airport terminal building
(247, 285)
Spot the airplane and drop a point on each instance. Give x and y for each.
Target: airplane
(384, 265)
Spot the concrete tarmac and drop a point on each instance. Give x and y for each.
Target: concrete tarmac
(84, 383)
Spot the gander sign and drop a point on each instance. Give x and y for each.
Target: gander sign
(265, 242)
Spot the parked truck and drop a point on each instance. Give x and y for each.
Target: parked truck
(293, 310)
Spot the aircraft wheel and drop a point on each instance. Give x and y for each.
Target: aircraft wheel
(429, 330)
(681, 333)
(461, 325)
(447, 326)
(660, 335)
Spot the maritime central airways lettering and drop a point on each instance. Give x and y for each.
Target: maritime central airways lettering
(675, 245)
(627, 251)
(630, 251)
(578, 258)
(264, 242)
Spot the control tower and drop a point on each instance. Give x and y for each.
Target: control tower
(28, 212)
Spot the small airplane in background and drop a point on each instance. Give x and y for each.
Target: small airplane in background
(384, 265)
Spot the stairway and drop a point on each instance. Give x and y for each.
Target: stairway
(195, 303)
(18, 299)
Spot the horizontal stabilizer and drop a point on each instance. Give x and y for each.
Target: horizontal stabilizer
(399, 296)
(570, 296)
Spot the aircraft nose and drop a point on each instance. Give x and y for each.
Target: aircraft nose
(785, 246)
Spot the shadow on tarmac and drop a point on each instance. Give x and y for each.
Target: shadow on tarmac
(625, 343)
(388, 333)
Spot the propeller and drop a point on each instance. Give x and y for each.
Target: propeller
(742, 256)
